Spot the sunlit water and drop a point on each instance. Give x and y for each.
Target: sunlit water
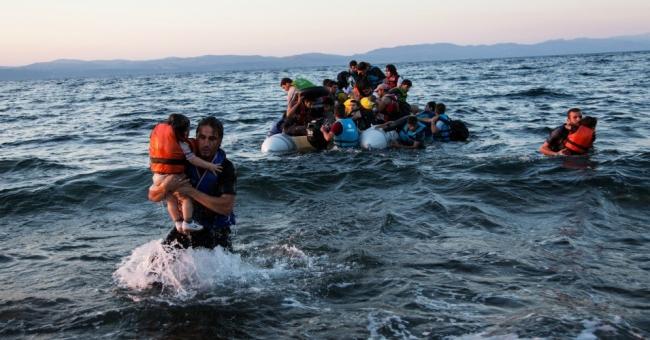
(485, 239)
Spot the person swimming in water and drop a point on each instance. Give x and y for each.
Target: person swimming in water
(169, 149)
(556, 139)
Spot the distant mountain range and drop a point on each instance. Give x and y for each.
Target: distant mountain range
(67, 68)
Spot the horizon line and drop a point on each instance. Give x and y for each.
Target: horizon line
(322, 53)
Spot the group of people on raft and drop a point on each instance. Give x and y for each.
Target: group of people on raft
(364, 96)
(198, 182)
(361, 97)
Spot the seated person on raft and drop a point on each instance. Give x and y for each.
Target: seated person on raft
(304, 111)
(343, 131)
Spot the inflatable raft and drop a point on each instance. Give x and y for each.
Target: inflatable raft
(370, 139)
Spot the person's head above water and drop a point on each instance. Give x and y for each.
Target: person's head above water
(430, 107)
(180, 124)
(573, 116)
(209, 134)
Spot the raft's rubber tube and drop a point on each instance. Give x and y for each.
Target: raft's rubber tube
(283, 143)
(376, 139)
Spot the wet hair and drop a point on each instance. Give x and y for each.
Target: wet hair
(412, 120)
(363, 66)
(328, 82)
(575, 109)
(440, 108)
(407, 83)
(589, 122)
(353, 63)
(180, 124)
(392, 69)
(285, 81)
(212, 122)
(432, 105)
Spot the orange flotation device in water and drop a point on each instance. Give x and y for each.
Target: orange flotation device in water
(580, 141)
(165, 154)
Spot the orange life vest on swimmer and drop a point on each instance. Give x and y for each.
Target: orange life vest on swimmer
(165, 155)
(580, 141)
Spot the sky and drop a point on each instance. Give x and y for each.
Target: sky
(44, 30)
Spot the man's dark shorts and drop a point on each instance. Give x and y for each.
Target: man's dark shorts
(206, 238)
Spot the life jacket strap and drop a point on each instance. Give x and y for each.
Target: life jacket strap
(167, 161)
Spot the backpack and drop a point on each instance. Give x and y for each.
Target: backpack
(457, 130)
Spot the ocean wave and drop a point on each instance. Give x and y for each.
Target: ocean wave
(538, 92)
(76, 190)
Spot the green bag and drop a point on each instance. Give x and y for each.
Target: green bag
(302, 83)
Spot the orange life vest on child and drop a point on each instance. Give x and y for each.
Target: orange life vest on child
(580, 141)
(165, 155)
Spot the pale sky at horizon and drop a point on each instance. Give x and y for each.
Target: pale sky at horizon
(41, 30)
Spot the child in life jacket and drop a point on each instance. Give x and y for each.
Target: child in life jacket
(582, 140)
(169, 150)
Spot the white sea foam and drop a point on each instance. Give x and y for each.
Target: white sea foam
(184, 272)
(385, 322)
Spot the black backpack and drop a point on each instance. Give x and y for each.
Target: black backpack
(457, 130)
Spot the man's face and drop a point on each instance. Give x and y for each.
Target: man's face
(405, 87)
(574, 118)
(381, 92)
(353, 69)
(285, 87)
(209, 141)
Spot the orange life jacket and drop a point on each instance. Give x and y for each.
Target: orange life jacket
(580, 141)
(165, 154)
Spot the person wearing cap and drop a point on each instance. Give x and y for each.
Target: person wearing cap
(387, 104)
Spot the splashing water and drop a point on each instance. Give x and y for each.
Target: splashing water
(185, 272)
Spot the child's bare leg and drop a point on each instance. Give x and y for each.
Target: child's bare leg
(188, 210)
(174, 212)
